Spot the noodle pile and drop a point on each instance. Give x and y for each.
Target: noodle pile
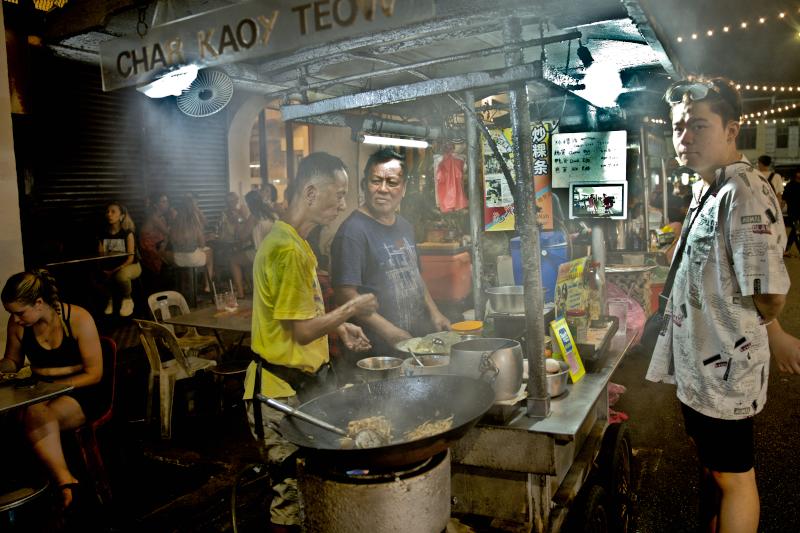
(429, 428)
(377, 424)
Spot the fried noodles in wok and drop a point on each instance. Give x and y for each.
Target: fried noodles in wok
(429, 428)
(376, 431)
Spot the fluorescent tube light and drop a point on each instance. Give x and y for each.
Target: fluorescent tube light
(393, 141)
(172, 83)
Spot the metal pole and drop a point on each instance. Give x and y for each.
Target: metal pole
(645, 186)
(538, 402)
(665, 199)
(475, 208)
(263, 171)
(289, 136)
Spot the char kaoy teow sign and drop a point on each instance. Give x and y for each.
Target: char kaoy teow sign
(249, 30)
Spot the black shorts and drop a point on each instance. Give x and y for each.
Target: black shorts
(723, 445)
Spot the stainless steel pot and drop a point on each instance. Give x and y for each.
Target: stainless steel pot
(498, 360)
(507, 299)
(378, 368)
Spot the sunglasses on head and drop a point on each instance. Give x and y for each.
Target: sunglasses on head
(696, 90)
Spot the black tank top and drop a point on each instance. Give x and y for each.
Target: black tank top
(67, 354)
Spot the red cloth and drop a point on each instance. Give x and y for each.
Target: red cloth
(450, 184)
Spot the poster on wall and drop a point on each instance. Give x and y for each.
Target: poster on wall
(498, 200)
(589, 157)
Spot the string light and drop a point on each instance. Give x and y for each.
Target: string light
(763, 113)
(767, 88)
(648, 120)
(743, 25)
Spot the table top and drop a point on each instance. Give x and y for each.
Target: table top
(86, 259)
(13, 397)
(568, 412)
(208, 317)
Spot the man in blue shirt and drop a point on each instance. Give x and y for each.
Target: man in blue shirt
(374, 251)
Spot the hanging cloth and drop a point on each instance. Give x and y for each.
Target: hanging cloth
(450, 183)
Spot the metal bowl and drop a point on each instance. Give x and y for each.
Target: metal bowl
(507, 299)
(377, 368)
(557, 383)
(432, 364)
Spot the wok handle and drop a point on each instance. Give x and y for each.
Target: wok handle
(291, 411)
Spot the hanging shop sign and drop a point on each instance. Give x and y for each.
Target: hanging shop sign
(498, 200)
(589, 157)
(249, 30)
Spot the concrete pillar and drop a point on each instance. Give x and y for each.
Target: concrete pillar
(10, 227)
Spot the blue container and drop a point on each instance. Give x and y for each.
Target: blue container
(554, 249)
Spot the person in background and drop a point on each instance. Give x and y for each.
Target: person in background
(63, 346)
(227, 246)
(249, 236)
(263, 218)
(269, 193)
(774, 179)
(290, 324)
(729, 288)
(187, 239)
(791, 195)
(154, 233)
(374, 251)
(118, 236)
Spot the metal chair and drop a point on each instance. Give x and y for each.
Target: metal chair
(86, 434)
(156, 337)
(164, 305)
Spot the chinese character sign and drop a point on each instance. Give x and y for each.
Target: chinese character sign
(589, 157)
(499, 202)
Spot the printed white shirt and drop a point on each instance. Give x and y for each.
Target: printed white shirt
(714, 345)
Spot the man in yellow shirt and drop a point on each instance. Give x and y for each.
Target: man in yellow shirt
(290, 326)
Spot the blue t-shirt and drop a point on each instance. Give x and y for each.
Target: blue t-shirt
(380, 259)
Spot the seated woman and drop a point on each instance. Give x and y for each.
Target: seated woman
(118, 236)
(153, 236)
(187, 238)
(63, 346)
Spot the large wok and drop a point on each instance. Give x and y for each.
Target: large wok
(406, 402)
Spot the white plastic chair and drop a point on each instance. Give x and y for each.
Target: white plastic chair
(166, 304)
(154, 335)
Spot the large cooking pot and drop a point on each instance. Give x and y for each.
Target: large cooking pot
(406, 402)
(507, 299)
(498, 360)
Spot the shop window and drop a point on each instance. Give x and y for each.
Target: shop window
(276, 157)
(747, 138)
(782, 136)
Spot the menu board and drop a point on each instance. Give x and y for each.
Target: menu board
(499, 203)
(593, 156)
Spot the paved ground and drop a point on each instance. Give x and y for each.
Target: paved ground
(667, 485)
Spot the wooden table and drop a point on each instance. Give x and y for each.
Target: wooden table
(13, 397)
(209, 318)
(88, 259)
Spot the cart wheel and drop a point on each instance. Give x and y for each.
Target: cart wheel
(615, 473)
(589, 512)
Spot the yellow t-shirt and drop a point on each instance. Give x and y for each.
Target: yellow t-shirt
(285, 287)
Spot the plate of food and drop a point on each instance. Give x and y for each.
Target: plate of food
(438, 343)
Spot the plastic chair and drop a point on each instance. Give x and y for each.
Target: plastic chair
(155, 337)
(86, 434)
(161, 304)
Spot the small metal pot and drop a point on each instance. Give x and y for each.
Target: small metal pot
(498, 360)
(378, 368)
(557, 383)
(507, 299)
(433, 364)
